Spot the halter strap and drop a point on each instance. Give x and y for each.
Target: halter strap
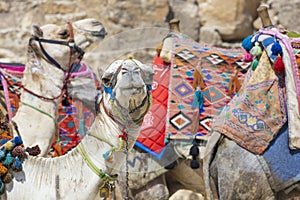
(103, 175)
(70, 43)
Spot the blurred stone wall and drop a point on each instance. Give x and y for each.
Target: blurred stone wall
(139, 25)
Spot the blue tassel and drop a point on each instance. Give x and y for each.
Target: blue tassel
(8, 160)
(247, 44)
(18, 140)
(108, 156)
(167, 139)
(109, 91)
(198, 100)
(17, 165)
(276, 49)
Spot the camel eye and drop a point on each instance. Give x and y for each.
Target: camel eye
(63, 34)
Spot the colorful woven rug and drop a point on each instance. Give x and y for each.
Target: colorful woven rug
(173, 92)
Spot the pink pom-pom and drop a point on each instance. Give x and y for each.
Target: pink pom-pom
(279, 65)
(247, 57)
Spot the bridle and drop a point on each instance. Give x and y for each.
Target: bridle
(73, 49)
(109, 89)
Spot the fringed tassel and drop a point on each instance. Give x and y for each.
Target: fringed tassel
(279, 65)
(198, 100)
(254, 64)
(195, 163)
(17, 165)
(8, 160)
(195, 152)
(276, 49)
(256, 50)
(198, 80)
(247, 44)
(57, 150)
(7, 178)
(247, 57)
(167, 139)
(234, 84)
(198, 84)
(108, 156)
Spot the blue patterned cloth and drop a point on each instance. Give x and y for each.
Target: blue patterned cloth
(281, 164)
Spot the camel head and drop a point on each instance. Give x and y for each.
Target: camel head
(62, 45)
(127, 84)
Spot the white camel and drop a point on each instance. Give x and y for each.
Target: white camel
(80, 173)
(47, 63)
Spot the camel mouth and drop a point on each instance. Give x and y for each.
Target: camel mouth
(133, 90)
(99, 34)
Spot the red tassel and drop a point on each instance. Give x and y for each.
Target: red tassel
(279, 65)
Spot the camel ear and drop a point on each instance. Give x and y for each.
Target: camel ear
(147, 74)
(109, 73)
(37, 31)
(106, 78)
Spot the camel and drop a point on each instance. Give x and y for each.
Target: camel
(239, 170)
(126, 99)
(51, 52)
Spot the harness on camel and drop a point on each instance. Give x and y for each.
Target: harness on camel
(12, 151)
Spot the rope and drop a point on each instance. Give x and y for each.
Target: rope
(41, 111)
(104, 176)
(126, 169)
(47, 114)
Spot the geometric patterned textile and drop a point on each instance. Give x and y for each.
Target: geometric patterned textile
(290, 46)
(10, 76)
(171, 112)
(255, 114)
(74, 115)
(217, 66)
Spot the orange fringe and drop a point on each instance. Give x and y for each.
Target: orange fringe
(198, 79)
(234, 84)
(57, 150)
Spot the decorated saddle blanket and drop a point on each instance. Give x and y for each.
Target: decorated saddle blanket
(281, 165)
(172, 112)
(257, 112)
(11, 75)
(72, 117)
(269, 95)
